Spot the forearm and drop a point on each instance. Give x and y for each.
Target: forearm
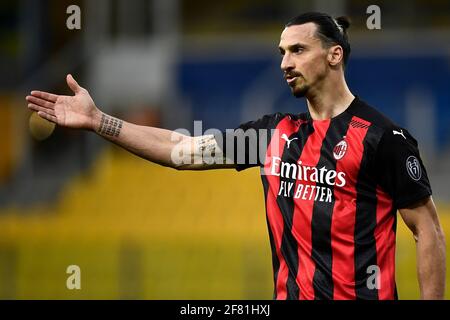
(431, 264)
(165, 147)
(150, 143)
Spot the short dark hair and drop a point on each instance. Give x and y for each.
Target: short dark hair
(330, 31)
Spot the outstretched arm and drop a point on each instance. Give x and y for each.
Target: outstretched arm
(165, 147)
(423, 221)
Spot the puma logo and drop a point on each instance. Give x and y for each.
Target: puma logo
(285, 137)
(399, 133)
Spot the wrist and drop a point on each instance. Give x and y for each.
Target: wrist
(96, 120)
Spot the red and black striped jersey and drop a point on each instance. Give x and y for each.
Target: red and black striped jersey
(332, 189)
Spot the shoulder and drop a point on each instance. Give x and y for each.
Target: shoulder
(267, 121)
(370, 114)
(387, 129)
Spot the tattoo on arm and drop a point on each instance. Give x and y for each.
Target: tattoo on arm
(209, 151)
(110, 126)
(207, 146)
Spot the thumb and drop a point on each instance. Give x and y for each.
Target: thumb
(73, 85)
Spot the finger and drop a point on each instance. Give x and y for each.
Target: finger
(40, 102)
(37, 108)
(47, 116)
(73, 85)
(45, 95)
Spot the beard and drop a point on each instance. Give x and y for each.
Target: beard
(300, 91)
(299, 87)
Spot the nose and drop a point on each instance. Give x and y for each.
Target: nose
(286, 63)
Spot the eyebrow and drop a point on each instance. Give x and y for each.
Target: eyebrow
(293, 47)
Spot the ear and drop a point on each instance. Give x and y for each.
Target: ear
(335, 55)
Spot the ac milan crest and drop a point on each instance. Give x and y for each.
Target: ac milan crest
(339, 150)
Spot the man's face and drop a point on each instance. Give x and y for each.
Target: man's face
(304, 60)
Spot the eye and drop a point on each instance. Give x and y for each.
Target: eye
(297, 50)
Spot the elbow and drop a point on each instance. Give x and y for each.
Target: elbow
(174, 166)
(177, 166)
(181, 167)
(164, 163)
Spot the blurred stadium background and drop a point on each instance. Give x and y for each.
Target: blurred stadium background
(140, 231)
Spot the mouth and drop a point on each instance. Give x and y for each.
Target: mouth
(291, 79)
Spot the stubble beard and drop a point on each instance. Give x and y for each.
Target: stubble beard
(300, 91)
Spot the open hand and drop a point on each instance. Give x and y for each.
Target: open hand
(78, 111)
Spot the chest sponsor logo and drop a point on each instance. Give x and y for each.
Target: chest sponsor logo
(310, 183)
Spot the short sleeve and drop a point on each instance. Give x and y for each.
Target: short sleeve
(245, 146)
(399, 167)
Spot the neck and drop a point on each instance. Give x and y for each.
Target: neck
(331, 99)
